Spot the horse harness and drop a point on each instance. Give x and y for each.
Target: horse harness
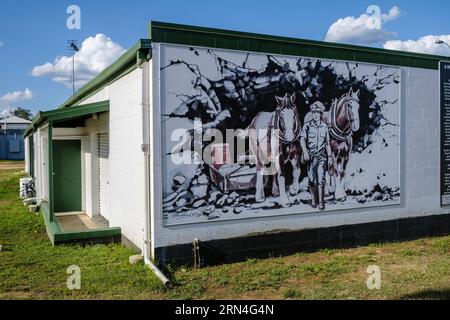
(335, 132)
(276, 125)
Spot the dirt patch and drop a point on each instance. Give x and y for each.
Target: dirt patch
(12, 166)
(17, 295)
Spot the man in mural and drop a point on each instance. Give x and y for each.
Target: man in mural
(315, 143)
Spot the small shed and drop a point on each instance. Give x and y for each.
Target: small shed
(11, 138)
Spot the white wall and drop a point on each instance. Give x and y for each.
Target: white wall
(68, 132)
(126, 159)
(27, 153)
(36, 160)
(101, 95)
(420, 172)
(41, 162)
(92, 129)
(127, 172)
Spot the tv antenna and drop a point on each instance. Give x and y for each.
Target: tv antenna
(73, 46)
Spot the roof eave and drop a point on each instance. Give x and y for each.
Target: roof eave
(64, 114)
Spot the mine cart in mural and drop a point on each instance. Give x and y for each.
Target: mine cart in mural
(233, 177)
(228, 177)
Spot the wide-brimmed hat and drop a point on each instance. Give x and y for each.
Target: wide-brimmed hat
(318, 106)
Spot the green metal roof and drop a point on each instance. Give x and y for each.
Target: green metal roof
(66, 114)
(235, 40)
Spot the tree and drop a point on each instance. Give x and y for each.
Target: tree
(23, 113)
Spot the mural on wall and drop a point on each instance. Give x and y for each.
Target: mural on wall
(254, 135)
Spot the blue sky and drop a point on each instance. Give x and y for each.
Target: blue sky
(33, 33)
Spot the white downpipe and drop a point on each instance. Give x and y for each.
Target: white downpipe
(158, 272)
(146, 149)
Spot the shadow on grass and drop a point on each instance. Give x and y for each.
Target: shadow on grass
(443, 294)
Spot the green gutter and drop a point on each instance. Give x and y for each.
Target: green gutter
(78, 111)
(235, 40)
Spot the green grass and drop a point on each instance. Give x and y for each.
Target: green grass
(30, 268)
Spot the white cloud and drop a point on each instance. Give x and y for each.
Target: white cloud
(393, 14)
(16, 96)
(96, 53)
(425, 44)
(361, 30)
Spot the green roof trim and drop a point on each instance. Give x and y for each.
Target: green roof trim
(66, 114)
(79, 111)
(235, 40)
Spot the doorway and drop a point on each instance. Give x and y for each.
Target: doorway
(67, 175)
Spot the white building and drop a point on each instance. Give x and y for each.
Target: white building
(14, 123)
(103, 167)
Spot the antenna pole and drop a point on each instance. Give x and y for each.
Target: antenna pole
(73, 47)
(73, 72)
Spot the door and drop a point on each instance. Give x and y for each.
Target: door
(103, 174)
(67, 175)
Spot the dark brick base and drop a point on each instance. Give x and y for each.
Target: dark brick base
(289, 242)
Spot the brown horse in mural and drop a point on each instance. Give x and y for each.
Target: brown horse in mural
(343, 121)
(274, 140)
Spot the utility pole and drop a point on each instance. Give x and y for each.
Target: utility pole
(74, 48)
